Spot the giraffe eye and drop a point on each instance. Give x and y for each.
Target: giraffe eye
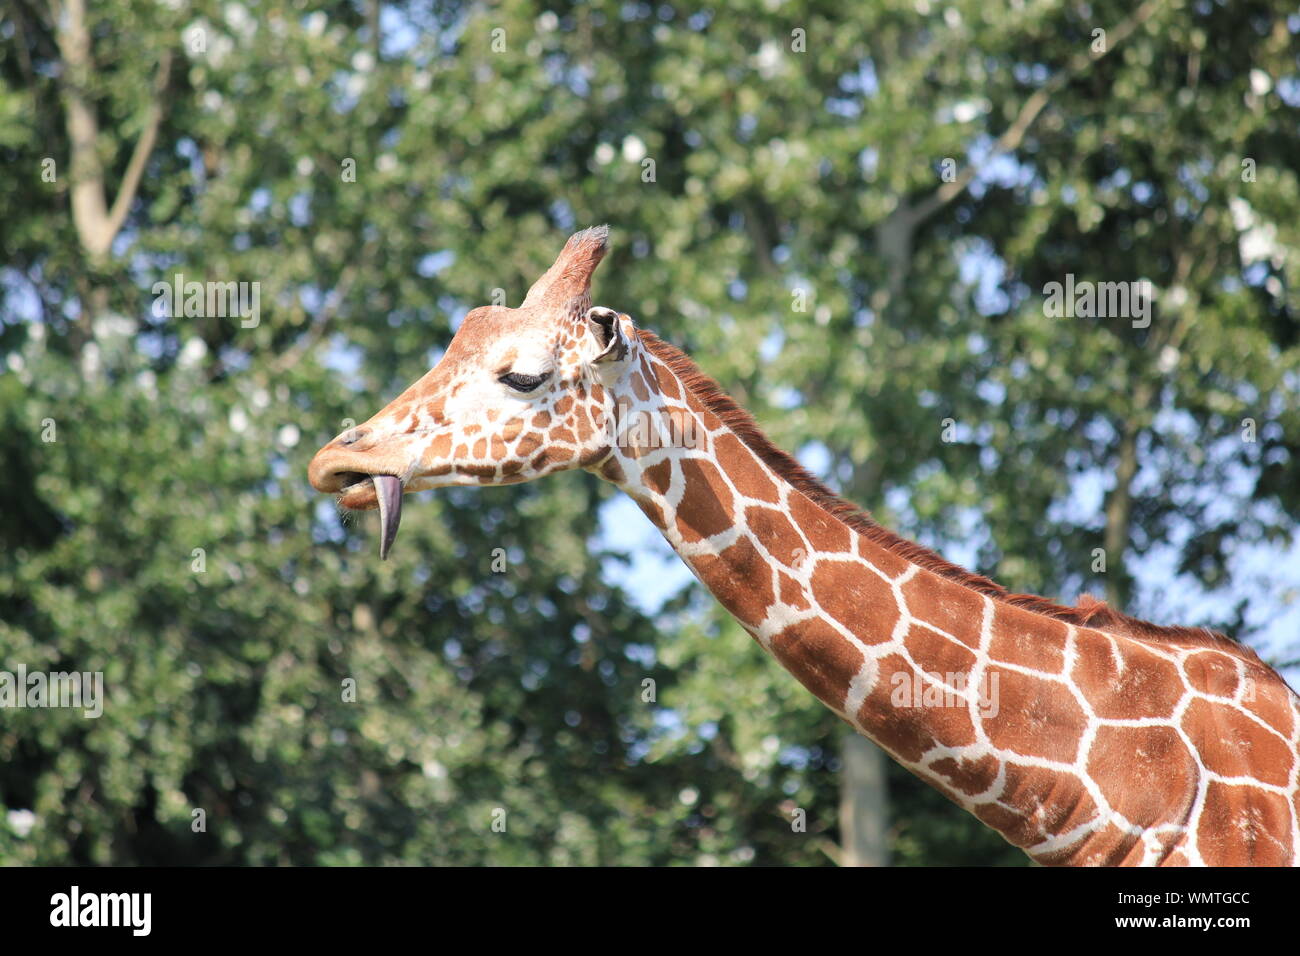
(523, 383)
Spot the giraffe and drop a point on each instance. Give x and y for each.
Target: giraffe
(1080, 734)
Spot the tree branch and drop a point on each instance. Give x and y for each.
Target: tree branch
(96, 225)
(1030, 111)
(1119, 503)
(143, 147)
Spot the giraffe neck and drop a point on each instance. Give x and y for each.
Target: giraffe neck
(1005, 711)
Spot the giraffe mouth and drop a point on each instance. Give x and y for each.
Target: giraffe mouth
(365, 492)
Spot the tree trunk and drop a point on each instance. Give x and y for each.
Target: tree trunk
(864, 804)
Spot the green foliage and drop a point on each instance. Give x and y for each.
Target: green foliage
(775, 172)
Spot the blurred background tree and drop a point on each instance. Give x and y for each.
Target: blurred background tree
(848, 215)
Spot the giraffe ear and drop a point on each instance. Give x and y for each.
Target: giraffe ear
(608, 326)
(570, 276)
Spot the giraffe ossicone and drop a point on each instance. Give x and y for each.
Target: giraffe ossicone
(1080, 734)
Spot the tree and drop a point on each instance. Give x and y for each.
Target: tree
(850, 217)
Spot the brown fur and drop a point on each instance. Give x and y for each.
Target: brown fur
(1090, 611)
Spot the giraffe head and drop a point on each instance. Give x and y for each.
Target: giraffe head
(519, 393)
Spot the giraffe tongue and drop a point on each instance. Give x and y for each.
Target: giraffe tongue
(388, 489)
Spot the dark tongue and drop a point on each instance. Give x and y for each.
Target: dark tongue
(389, 491)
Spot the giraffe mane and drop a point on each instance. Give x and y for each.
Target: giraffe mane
(1090, 612)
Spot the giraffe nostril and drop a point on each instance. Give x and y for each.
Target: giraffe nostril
(353, 435)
